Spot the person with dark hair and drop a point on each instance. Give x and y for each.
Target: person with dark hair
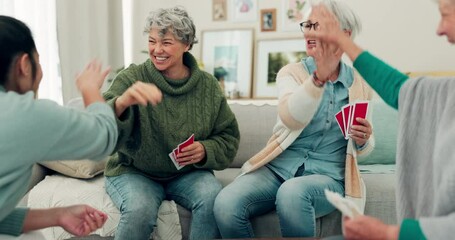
(184, 100)
(34, 130)
(426, 133)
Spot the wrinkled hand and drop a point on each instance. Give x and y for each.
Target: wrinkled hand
(192, 154)
(81, 220)
(91, 78)
(327, 58)
(139, 93)
(361, 133)
(329, 28)
(366, 227)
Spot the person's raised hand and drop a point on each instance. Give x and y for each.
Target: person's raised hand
(328, 28)
(139, 93)
(92, 77)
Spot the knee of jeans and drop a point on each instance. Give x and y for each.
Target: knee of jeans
(224, 202)
(291, 191)
(138, 209)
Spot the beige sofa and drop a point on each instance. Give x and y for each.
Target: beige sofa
(256, 119)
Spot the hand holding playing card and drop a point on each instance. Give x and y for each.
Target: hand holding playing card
(191, 154)
(353, 124)
(361, 132)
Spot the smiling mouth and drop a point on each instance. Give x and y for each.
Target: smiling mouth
(160, 59)
(311, 43)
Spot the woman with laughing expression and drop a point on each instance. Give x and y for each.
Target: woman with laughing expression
(159, 104)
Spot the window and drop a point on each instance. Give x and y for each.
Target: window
(40, 17)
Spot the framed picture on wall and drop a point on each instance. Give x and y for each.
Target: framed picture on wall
(268, 20)
(293, 13)
(219, 10)
(228, 55)
(243, 10)
(271, 56)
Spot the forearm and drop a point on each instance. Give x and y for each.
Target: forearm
(91, 96)
(41, 218)
(384, 79)
(119, 107)
(349, 47)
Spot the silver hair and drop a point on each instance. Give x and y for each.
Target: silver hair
(347, 18)
(176, 20)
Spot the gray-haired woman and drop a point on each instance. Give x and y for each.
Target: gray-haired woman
(184, 101)
(307, 152)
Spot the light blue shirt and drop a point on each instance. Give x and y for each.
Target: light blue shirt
(321, 147)
(37, 130)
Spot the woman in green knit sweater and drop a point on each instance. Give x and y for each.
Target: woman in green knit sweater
(159, 104)
(425, 175)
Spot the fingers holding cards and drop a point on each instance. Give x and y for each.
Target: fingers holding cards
(352, 122)
(187, 152)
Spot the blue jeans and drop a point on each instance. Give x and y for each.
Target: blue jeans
(138, 199)
(298, 202)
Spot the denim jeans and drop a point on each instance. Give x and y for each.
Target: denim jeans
(138, 199)
(298, 202)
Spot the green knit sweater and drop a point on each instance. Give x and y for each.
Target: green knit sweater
(148, 134)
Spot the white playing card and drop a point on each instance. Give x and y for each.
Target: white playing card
(346, 207)
(346, 111)
(172, 157)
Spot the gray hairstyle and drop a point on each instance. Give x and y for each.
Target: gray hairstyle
(173, 19)
(347, 18)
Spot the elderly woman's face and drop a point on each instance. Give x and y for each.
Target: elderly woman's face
(447, 23)
(311, 25)
(166, 52)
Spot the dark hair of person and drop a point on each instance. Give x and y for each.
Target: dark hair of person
(15, 38)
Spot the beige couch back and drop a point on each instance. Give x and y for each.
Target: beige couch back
(256, 119)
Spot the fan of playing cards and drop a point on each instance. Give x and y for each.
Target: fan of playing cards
(178, 149)
(348, 114)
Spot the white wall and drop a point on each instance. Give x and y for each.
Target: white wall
(400, 32)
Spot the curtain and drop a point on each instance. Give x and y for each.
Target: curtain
(88, 29)
(40, 17)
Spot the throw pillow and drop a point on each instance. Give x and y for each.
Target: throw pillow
(385, 123)
(77, 168)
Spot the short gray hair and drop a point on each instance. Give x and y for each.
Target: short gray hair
(176, 20)
(347, 18)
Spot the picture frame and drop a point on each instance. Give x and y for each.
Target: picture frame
(228, 55)
(243, 10)
(219, 10)
(271, 56)
(293, 13)
(268, 20)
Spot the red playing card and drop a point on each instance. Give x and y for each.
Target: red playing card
(186, 143)
(360, 111)
(346, 110)
(339, 118)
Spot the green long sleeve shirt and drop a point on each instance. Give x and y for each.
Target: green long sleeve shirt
(387, 82)
(147, 134)
(384, 79)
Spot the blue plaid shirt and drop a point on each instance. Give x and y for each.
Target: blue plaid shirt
(321, 147)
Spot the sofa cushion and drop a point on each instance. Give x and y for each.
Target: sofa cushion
(256, 120)
(385, 122)
(58, 191)
(77, 168)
